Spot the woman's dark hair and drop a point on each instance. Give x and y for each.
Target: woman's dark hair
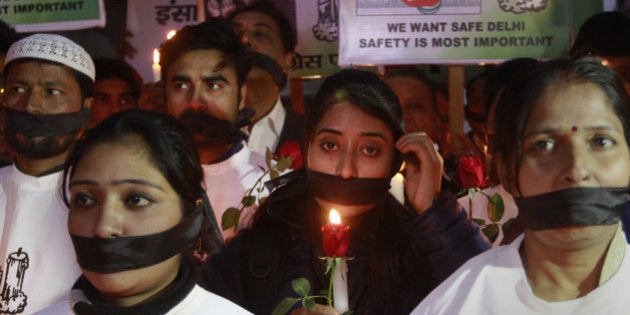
(363, 89)
(516, 103)
(169, 146)
(501, 76)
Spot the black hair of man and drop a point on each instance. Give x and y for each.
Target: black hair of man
(603, 34)
(214, 33)
(8, 36)
(109, 68)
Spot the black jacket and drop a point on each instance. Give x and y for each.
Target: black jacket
(398, 255)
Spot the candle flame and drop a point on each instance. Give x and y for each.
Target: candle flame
(334, 217)
(170, 34)
(156, 56)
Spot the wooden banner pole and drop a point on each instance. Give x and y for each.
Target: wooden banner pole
(456, 106)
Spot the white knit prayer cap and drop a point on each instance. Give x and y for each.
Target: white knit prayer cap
(55, 48)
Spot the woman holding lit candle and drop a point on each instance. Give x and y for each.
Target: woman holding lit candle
(396, 254)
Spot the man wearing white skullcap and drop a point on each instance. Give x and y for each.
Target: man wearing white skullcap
(46, 104)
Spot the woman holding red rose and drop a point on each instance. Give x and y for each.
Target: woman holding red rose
(398, 253)
(562, 149)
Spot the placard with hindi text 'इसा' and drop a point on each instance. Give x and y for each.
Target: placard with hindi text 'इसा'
(451, 31)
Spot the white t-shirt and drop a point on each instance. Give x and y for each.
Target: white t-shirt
(495, 283)
(198, 301)
(227, 182)
(37, 258)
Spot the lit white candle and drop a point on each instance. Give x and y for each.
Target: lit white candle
(340, 286)
(156, 66)
(340, 272)
(397, 187)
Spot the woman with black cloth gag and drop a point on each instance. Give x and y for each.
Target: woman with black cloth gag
(398, 253)
(562, 149)
(137, 211)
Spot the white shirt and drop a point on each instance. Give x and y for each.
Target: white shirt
(228, 181)
(41, 265)
(198, 301)
(480, 208)
(495, 283)
(266, 132)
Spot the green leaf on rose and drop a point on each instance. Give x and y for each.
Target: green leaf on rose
(248, 201)
(309, 303)
(284, 306)
(230, 218)
(284, 163)
(479, 222)
(496, 207)
(273, 174)
(301, 286)
(491, 231)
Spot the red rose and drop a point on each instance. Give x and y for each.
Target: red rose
(470, 172)
(292, 149)
(336, 240)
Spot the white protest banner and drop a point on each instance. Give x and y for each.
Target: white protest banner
(451, 31)
(318, 38)
(28, 16)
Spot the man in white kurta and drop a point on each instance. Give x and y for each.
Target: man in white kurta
(229, 180)
(208, 96)
(39, 264)
(495, 283)
(45, 109)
